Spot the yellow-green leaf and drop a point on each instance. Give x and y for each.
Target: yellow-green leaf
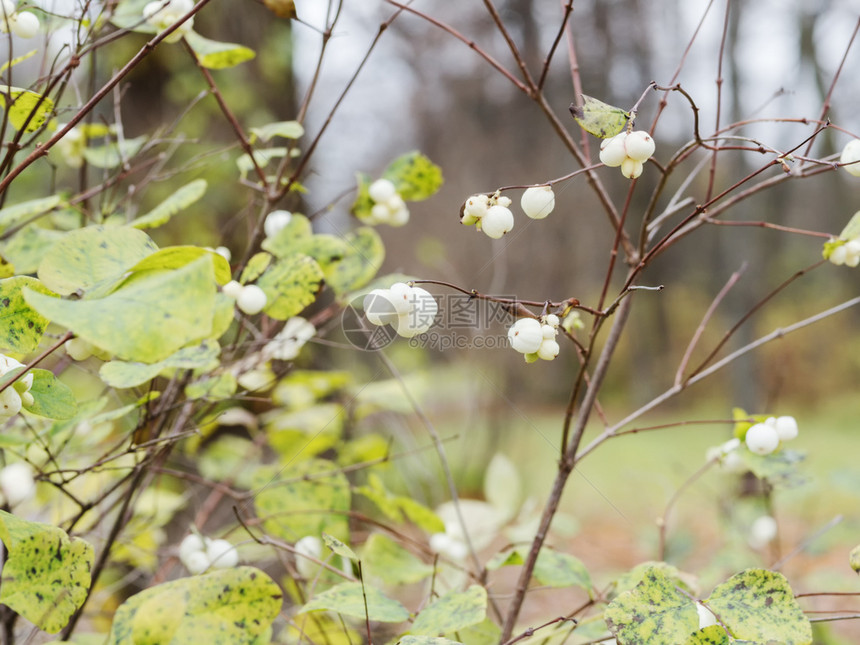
(26, 107)
(51, 397)
(46, 576)
(414, 176)
(452, 612)
(599, 118)
(123, 374)
(178, 201)
(31, 209)
(351, 599)
(291, 285)
(21, 326)
(217, 55)
(285, 129)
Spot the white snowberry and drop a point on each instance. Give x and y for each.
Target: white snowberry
(639, 146)
(538, 201)
(221, 554)
(612, 151)
(852, 253)
(419, 317)
(275, 222)
(251, 299)
(196, 562)
(400, 292)
(191, 543)
(549, 332)
(381, 190)
(762, 439)
(552, 320)
(548, 349)
(16, 483)
(497, 221)
(851, 155)
(526, 335)
(24, 24)
(786, 428)
(78, 349)
(762, 531)
(224, 252)
(474, 209)
(309, 546)
(232, 290)
(379, 307)
(631, 168)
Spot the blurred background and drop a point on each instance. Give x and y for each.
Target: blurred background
(423, 89)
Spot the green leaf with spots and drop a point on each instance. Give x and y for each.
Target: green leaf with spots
(654, 612)
(631, 578)
(308, 498)
(26, 249)
(176, 203)
(31, 209)
(555, 569)
(285, 129)
(176, 257)
(93, 256)
(338, 547)
(289, 239)
(291, 284)
(7, 268)
(426, 640)
(226, 607)
(125, 374)
(399, 508)
(348, 598)
(21, 326)
(386, 560)
(779, 468)
(364, 257)
(327, 250)
(46, 576)
(26, 107)
(712, 635)
(759, 605)
(147, 319)
(51, 397)
(414, 176)
(453, 611)
(217, 55)
(599, 118)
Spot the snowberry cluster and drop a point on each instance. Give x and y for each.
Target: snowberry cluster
(409, 310)
(201, 553)
(23, 24)
(287, 344)
(764, 438)
(492, 215)
(727, 455)
(16, 484)
(847, 253)
(275, 222)
(535, 338)
(161, 14)
(14, 397)
(851, 155)
(388, 206)
(250, 298)
(628, 150)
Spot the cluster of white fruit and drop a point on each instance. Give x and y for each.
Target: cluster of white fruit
(847, 253)
(535, 338)
(492, 215)
(23, 24)
(388, 206)
(851, 157)
(199, 554)
(764, 438)
(628, 150)
(161, 14)
(14, 397)
(409, 310)
(16, 484)
(250, 298)
(287, 344)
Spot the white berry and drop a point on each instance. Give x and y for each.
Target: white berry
(612, 151)
(191, 543)
(379, 307)
(538, 201)
(498, 221)
(763, 531)
(526, 335)
(17, 483)
(639, 146)
(419, 316)
(548, 349)
(24, 24)
(400, 292)
(474, 209)
(251, 299)
(10, 403)
(852, 252)
(850, 155)
(631, 168)
(275, 222)
(221, 554)
(196, 562)
(786, 428)
(309, 546)
(381, 190)
(232, 290)
(762, 439)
